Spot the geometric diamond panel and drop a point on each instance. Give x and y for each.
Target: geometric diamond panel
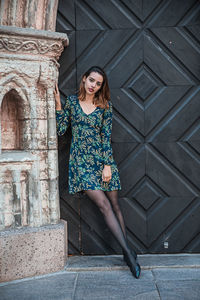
(146, 193)
(150, 51)
(143, 84)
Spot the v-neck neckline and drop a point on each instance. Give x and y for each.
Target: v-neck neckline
(83, 110)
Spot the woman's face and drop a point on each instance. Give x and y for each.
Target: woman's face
(93, 83)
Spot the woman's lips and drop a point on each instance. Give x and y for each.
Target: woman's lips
(91, 90)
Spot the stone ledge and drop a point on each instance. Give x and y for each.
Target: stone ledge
(32, 251)
(147, 262)
(16, 156)
(30, 32)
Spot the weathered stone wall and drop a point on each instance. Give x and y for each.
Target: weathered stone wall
(33, 240)
(28, 142)
(38, 14)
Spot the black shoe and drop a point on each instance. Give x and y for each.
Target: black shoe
(133, 265)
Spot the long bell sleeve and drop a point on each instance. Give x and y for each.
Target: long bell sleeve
(63, 118)
(106, 131)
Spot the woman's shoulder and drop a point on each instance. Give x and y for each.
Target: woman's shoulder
(70, 100)
(109, 107)
(73, 97)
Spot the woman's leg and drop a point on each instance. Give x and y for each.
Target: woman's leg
(100, 199)
(113, 196)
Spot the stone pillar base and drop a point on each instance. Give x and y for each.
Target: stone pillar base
(32, 251)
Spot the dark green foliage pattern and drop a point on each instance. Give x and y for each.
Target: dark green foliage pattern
(90, 147)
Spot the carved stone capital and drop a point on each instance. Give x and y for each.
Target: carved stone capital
(30, 41)
(31, 46)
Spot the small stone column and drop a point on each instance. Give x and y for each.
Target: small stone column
(33, 239)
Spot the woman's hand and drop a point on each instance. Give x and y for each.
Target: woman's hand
(57, 98)
(106, 173)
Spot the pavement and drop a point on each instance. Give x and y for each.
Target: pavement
(163, 276)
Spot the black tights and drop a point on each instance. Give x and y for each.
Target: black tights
(102, 201)
(113, 196)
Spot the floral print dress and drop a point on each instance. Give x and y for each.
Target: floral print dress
(90, 147)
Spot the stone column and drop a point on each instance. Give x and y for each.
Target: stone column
(33, 239)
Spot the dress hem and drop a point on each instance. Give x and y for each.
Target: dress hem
(87, 189)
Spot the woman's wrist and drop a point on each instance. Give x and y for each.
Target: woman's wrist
(106, 166)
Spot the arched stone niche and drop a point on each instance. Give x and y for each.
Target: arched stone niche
(15, 116)
(12, 122)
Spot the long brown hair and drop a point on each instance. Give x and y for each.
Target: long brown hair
(102, 96)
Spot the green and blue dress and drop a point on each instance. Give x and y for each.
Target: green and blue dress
(90, 147)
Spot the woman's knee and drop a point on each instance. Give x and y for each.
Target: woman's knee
(100, 200)
(105, 206)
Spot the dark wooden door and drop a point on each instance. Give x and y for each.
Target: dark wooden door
(150, 51)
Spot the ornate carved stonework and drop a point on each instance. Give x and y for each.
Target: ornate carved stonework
(21, 41)
(31, 46)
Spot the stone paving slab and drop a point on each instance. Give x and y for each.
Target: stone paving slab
(107, 285)
(178, 284)
(116, 285)
(55, 287)
(177, 274)
(179, 290)
(103, 285)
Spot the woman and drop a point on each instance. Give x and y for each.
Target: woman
(92, 169)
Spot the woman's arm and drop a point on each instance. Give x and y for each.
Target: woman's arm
(106, 143)
(106, 135)
(62, 115)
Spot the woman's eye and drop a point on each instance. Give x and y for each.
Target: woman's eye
(91, 80)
